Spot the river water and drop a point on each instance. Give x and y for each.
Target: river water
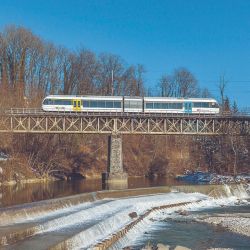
(80, 224)
(31, 192)
(195, 235)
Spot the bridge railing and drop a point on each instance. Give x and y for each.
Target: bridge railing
(38, 111)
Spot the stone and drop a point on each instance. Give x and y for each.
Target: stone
(115, 154)
(115, 161)
(148, 247)
(183, 212)
(182, 248)
(162, 247)
(1, 171)
(133, 215)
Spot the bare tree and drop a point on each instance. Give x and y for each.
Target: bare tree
(87, 70)
(222, 86)
(110, 64)
(134, 80)
(166, 85)
(185, 82)
(205, 93)
(235, 109)
(182, 83)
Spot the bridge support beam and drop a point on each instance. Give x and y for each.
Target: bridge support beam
(115, 177)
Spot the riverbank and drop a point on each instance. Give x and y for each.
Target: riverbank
(237, 223)
(28, 181)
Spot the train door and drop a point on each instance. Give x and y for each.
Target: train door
(188, 107)
(76, 105)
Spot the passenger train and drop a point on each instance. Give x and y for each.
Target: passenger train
(66, 103)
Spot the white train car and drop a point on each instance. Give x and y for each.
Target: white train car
(133, 104)
(63, 103)
(180, 105)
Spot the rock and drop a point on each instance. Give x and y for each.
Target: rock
(148, 247)
(182, 248)
(183, 212)
(133, 215)
(151, 219)
(16, 177)
(1, 171)
(162, 247)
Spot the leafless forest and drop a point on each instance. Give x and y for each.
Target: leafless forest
(31, 68)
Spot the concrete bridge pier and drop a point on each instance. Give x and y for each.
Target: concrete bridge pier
(115, 177)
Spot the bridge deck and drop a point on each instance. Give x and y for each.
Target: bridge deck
(38, 121)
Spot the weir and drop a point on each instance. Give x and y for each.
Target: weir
(101, 219)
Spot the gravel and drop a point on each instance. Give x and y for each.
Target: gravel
(237, 223)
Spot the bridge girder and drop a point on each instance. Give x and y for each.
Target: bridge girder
(63, 124)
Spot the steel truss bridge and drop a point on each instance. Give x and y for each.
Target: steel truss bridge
(40, 122)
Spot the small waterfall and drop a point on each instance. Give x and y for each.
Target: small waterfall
(222, 195)
(239, 191)
(84, 224)
(84, 216)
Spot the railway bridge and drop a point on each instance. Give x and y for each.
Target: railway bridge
(116, 124)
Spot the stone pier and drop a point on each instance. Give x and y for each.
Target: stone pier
(115, 176)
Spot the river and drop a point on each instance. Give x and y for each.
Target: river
(31, 192)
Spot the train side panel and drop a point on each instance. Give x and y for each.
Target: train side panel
(117, 104)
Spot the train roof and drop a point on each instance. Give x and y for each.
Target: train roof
(153, 98)
(156, 98)
(82, 96)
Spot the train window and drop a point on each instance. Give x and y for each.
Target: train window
(86, 104)
(164, 105)
(149, 105)
(214, 105)
(170, 106)
(109, 104)
(157, 105)
(101, 104)
(93, 104)
(117, 104)
(46, 102)
(179, 106)
(135, 104)
(201, 104)
(66, 102)
(175, 105)
(49, 102)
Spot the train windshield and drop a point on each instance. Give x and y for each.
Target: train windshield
(215, 105)
(47, 102)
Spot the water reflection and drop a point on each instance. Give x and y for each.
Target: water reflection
(30, 192)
